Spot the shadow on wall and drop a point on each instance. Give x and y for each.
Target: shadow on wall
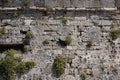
(19, 47)
(61, 43)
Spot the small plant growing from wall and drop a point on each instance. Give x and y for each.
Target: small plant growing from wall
(46, 41)
(10, 52)
(113, 25)
(64, 20)
(23, 22)
(2, 31)
(59, 65)
(15, 14)
(98, 7)
(115, 34)
(68, 40)
(27, 49)
(91, 73)
(83, 76)
(29, 35)
(24, 67)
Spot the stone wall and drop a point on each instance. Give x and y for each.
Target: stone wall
(117, 3)
(65, 3)
(83, 28)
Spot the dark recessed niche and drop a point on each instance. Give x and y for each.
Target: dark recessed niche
(19, 47)
(62, 43)
(48, 30)
(23, 32)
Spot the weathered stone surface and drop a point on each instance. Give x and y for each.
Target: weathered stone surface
(65, 3)
(84, 27)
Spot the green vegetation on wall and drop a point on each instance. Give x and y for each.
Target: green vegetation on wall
(29, 35)
(10, 52)
(2, 31)
(7, 67)
(15, 14)
(46, 41)
(11, 65)
(83, 76)
(64, 20)
(24, 67)
(68, 40)
(59, 65)
(115, 34)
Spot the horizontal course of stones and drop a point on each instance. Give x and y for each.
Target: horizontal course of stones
(65, 3)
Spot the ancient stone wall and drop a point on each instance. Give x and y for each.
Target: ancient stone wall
(83, 27)
(64, 3)
(92, 47)
(117, 3)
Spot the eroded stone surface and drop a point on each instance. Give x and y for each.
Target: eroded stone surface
(83, 27)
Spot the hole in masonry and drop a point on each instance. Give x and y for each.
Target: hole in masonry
(23, 32)
(62, 43)
(18, 47)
